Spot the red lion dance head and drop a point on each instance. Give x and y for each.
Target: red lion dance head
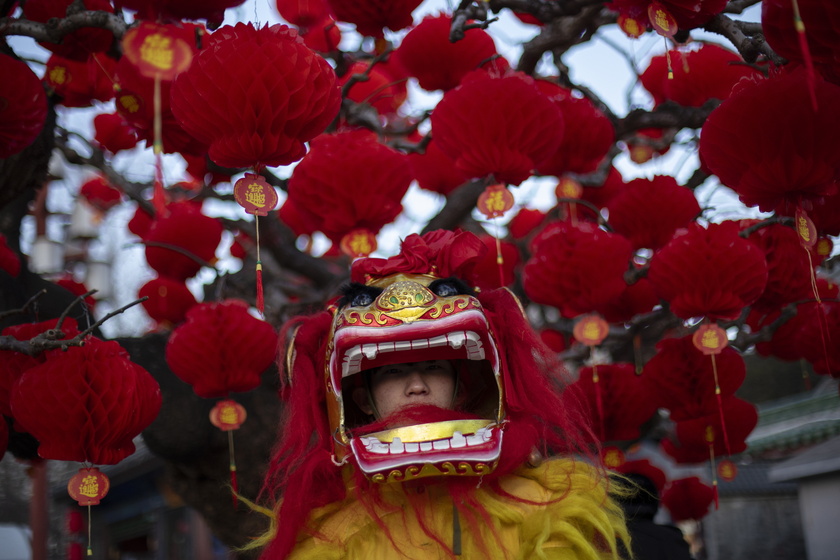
(418, 305)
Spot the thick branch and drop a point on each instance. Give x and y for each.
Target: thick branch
(749, 47)
(57, 28)
(667, 115)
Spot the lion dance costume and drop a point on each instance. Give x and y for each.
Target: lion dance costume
(467, 483)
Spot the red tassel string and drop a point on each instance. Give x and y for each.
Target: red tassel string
(720, 407)
(500, 261)
(234, 484)
(799, 25)
(260, 296)
(714, 474)
(159, 195)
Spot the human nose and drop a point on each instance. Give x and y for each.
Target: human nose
(416, 385)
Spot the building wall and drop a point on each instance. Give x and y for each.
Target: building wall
(756, 528)
(819, 501)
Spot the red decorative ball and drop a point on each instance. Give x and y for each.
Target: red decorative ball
(435, 171)
(221, 349)
(708, 272)
(169, 300)
(23, 106)
(372, 16)
(349, 181)
(302, 13)
(500, 126)
(649, 211)
(86, 404)
(576, 268)
(229, 96)
(428, 55)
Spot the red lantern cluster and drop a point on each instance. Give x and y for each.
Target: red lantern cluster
(709, 272)
(649, 211)
(788, 268)
(87, 403)
(710, 72)
(23, 106)
(349, 181)
(227, 99)
(576, 268)
(80, 83)
(427, 54)
(782, 162)
(221, 348)
(499, 126)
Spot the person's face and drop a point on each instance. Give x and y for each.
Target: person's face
(396, 386)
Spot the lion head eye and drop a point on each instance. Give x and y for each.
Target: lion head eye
(446, 289)
(362, 299)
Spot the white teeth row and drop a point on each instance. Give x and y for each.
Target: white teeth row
(370, 350)
(396, 447)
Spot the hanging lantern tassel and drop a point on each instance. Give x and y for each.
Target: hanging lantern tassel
(710, 339)
(591, 330)
(228, 415)
(257, 197)
(493, 203)
(88, 487)
(710, 439)
(807, 233)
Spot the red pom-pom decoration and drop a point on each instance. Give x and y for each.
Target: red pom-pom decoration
(501, 126)
(709, 272)
(228, 97)
(86, 404)
(221, 349)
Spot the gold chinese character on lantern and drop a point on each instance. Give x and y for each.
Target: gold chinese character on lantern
(613, 457)
(495, 201)
(358, 243)
(568, 188)
(710, 339)
(805, 228)
(591, 330)
(255, 195)
(157, 51)
(58, 75)
(228, 415)
(129, 102)
(661, 20)
(89, 486)
(632, 27)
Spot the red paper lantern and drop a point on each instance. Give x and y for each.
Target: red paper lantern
(435, 171)
(371, 16)
(821, 19)
(708, 272)
(211, 10)
(100, 193)
(221, 349)
(14, 364)
(470, 120)
(625, 403)
(709, 72)
(323, 36)
(695, 436)
(781, 162)
(79, 84)
(193, 236)
(379, 90)
(227, 97)
(87, 403)
(78, 44)
(169, 300)
(600, 195)
(349, 181)
(428, 55)
(9, 260)
(524, 222)
(576, 268)
(159, 51)
(682, 379)
(649, 211)
(587, 133)
(789, 271)
(488, 272)
(23, 106)
(688, 498)
(302, 13)
(636, 299)
(113, 132)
